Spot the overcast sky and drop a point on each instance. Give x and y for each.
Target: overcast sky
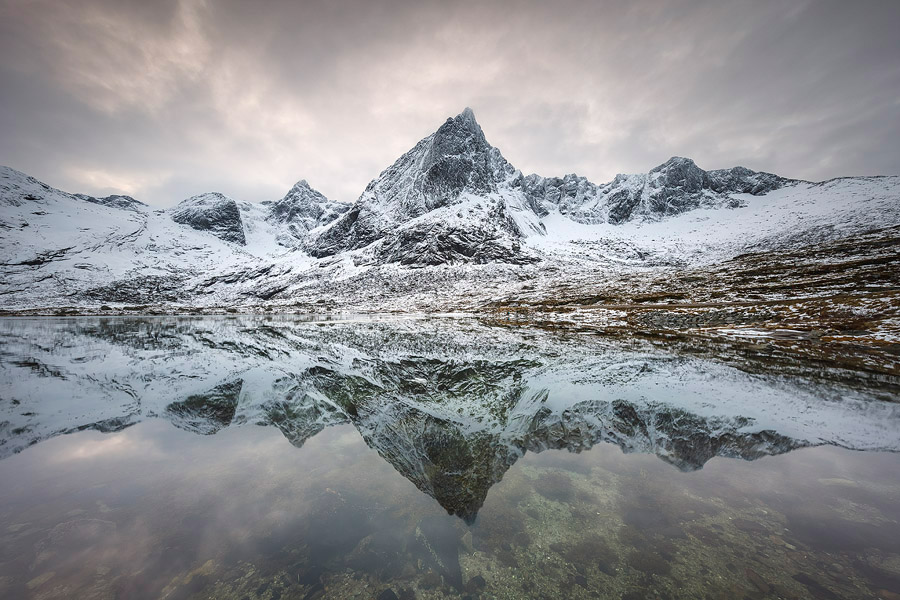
(166, 99)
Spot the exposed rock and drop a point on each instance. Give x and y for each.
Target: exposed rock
(674, 187)
(213, 212)
(114, 201)
(301, 210)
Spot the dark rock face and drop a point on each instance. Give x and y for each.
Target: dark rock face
(213, 212)
(437, 243)
(744, 181)
(568, 194)
(114, 201)
(674, 187)
(303, 209)
(459, 159)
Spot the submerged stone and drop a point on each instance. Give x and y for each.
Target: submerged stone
(555, 486)
(476, 584)
(438, 544)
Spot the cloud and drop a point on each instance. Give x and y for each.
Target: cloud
(163, 100)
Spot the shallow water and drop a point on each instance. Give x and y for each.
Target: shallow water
(430, 458)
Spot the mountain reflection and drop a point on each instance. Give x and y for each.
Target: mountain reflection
(449, 403)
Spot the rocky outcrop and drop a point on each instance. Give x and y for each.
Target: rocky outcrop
(113, 201)
(676, 186)
(212, 212)
(303, 209)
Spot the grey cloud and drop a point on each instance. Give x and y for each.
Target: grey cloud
(168, 99)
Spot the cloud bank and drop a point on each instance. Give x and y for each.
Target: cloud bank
(167, 99)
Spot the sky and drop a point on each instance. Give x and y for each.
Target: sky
(166, 99)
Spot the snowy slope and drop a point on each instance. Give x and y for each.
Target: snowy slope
(450, 224)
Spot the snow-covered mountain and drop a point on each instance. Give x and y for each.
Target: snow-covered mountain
(447, 200)
(451, 224)
(674, 187)
(301, 210)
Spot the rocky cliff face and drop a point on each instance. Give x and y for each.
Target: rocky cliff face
(445, 201)
(303, 209)
(674, 187)
(214, 213)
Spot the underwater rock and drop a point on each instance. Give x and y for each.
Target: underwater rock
(379, 554)
(438, 543)
(431, 580)
(555, 486)
(593, 549)
(650, 563)
(475, 584)
(757, 580)
(816, 589)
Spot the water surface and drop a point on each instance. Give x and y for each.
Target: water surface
(280, 458)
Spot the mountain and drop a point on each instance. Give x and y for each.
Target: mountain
(448, 200)
(450, 225)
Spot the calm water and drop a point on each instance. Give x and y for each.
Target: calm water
(430, 458)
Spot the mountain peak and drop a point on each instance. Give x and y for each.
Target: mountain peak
(676, 162)
(304, 208)
(467, 116)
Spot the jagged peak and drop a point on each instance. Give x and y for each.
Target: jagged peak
(467, 116)
(676, 161)
(465, 121)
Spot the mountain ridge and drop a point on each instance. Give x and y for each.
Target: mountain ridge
(452, 208)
